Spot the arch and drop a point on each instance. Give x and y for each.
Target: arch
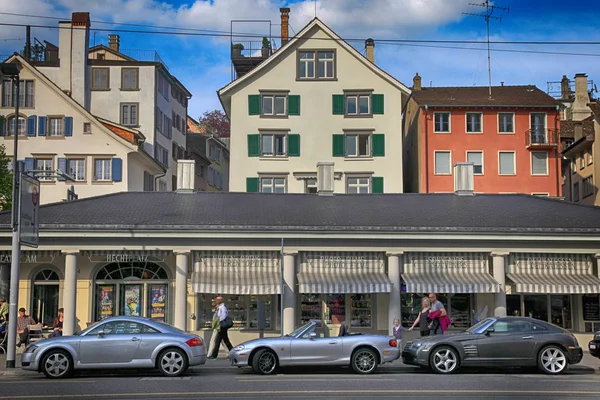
(53, 272)
(10, 118)
(120, 271)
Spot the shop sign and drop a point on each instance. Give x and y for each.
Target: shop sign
(447, 261)
(567, 262)
(343, 260)
(27, 259)
(124, 258)
(246, 260)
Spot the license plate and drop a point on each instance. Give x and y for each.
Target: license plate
(592, 346)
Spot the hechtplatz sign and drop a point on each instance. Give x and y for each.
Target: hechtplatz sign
(126, 256)
(29, 205)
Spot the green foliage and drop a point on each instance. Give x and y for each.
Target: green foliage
(6, 178)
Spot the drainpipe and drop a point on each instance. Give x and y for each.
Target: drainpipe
(156, 178)
(426, 151)
(556, 153)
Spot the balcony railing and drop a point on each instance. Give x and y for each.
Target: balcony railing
(541, 138)
(252, 49)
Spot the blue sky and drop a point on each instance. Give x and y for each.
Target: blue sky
(202, 63)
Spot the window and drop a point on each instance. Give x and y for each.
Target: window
(506, 123)
(272, 145)
(55, 126)
(76, 168)
(44, 164)
(538, 128)
(87, 127)
(576, 192)
(506, 163)
(581, 160)
(573, 163)
(26, 94)
(539, 163)
(162, 186)
(129, 79)
(474, 122)
(100, 78)
(102, 169)
(310, 185)
(442, 122)
(162, 85)
(129, 114)
(11, 126)
(476, 157)
(273, 105)
(325, 60)
(148, 182)
(358, 145)
(159, 120)
(587, 187)
(272, 185)
(358, 185)
(358, 104)
(161, 155)
(443, 162)
(590, 157)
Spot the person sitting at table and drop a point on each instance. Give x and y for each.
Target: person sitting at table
(58, 323)
(23, 322)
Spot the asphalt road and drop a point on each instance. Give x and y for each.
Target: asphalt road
(218, 381)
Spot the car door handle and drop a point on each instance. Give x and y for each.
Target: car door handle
(527, 337)
(333, 342)
(134, 339)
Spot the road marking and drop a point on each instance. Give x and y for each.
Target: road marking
(312, 380)
(306, 392)
(164, 378)
(34, 382)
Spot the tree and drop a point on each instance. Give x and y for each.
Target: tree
(215, 122)
(6, 178)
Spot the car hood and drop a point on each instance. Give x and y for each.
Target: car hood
(445, 337)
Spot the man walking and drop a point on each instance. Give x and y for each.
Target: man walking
(225, 323)
(436, 305)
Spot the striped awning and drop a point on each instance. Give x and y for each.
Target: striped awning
(347, 272)
(553, 273)
(233, 272)
(448, 273)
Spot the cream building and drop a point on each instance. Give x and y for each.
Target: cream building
(316, 99)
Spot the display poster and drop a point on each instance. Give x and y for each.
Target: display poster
(132, 300)
(591, 307)
(158, 294)
(105, 301)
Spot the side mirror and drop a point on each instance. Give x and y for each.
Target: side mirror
(489, 330)
(100, 334)
(312, 335)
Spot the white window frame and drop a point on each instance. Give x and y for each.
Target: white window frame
(74, 175)
(590, 156)
(310, 183)
(467, 122)
(273, 98)
(271, 153)
(531, 163)
(435, 152)
(357, 97)
(22, 129)
(326, 61)
(514, 153)
(26, 92)
(435, 113)
(57, 120)
(273, 185)
(306, 63)
(357, 141)
(482, 161)
(106, 169)
(48, 165)
(545, 124)
(581, 160)
(513, 123)
(129, 121)
(357, 184)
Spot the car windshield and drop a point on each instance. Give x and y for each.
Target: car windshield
(481, 325)
(297, 331)
(86, 330)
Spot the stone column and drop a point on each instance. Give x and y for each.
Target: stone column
(499, 265)
(597, 256)
(288, 297)
(395, 268)
(181, 275)
(70, 294)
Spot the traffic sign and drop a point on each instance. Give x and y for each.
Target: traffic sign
(28, 211)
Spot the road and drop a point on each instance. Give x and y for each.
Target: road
(217, 381)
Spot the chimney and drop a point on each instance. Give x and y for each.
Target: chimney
(186, 175)
(285, 23)
(417, 82)
(114, 42)
(580, 106)
(325, 178)
(74, 72)
(463, 179)
(577, 130)
(565, 90)
(370, 46)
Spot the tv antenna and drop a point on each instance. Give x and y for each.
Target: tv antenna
(487, 15)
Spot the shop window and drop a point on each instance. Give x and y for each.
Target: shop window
(243, 309)
(360, 314)
(513, 305)
(44, 307)
(335, 310)
(460, 310)
(310, 307)
(536, 306)
(141, 270)
(591, 312)
(560, 309)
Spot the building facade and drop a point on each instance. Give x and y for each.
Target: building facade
(512, 139)
(333, 258)
(316, 99)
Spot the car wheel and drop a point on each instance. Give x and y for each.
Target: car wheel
(552, 360)
(364, 361)
(57, 364)
(172, 362)
(444, 360)
(264, 362)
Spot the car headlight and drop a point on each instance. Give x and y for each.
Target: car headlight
(417, 345)
(239, 348)
(31, 348)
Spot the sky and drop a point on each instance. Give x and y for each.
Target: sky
(202, 63)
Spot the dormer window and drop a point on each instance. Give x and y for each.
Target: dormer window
(316, 64)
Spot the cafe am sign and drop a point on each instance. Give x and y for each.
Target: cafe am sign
(27, 258)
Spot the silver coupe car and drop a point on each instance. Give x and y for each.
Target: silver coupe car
(305, 346)
(117, 342)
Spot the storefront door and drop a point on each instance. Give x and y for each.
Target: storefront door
(44, 306)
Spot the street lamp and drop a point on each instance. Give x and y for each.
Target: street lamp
(12, 70)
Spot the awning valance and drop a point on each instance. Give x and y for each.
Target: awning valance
(231, 272)
(553, 273)
(348, 272)
(448, 273)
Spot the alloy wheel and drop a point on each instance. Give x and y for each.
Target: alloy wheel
(364, 361)
(445, 360)
(267, 363)
(553, 360)
(172, 362)
(57, 365)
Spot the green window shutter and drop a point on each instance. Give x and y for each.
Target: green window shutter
(254, 104)
(377, 184)
(378, 145)
(377, 103)
(252, 185)
(338, 104)
(253, 145)
(338, 146)
(294, 104)
(294, 145)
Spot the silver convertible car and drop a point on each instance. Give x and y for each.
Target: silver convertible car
(117, 342)
(305, 347)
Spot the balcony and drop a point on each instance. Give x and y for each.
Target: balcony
(541, 139)
(248, 54)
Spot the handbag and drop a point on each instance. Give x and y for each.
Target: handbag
(227, 323)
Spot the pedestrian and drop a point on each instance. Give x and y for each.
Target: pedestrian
(23, 322)
(422, 318)
(215, 326)
(437, 314)
(225, 322)
(398, 329)
(58, 324)
(3, 309)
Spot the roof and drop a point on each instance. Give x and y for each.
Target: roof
(595, 107)
(567, 128)
(318, 23)
(502, 96)
(196, 144)
(194, 126)
(485, 213)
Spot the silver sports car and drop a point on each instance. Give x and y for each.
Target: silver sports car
(305, 346)
(117, 342)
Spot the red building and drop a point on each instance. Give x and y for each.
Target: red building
(511, 137)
